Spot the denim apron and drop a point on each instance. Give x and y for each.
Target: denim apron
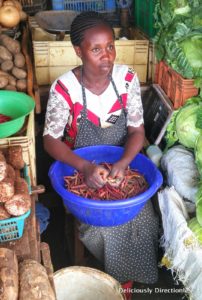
(128, 251)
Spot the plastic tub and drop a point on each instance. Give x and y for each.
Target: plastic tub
(16, 105)
(85, 283)
(105, 213)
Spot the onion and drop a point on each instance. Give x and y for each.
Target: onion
(9, 16)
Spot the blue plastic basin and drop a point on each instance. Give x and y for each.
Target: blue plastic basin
(104, 212)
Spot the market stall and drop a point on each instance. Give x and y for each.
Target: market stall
(163, 44)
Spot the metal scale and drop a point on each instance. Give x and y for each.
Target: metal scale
(57, 22)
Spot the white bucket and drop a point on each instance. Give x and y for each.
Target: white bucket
(83, 283)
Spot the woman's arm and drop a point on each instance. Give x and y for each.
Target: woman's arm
(60, 151)
(135, 126)
(57, 114)
(133, 145)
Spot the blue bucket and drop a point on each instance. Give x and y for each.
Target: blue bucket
(104, 212)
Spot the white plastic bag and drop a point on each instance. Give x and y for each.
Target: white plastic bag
(181, 171)
(181, 247)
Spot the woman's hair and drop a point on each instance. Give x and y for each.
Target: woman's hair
(84, 21)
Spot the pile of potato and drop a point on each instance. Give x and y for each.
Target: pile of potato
(11, 13)
(13, 73)
(15, 199)
(26, 280)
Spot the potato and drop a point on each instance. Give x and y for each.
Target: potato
(3, 81)
(8, 284)
(2, 73)
(10, 87)
(4, 214)
(19, 73)
(34, 282)
(5, 53)
(10, 172)
(11, 80)
(7, 65)
(6, 189)
(21, 186)
(12, 45)
(23, 16)
(18, 205)
(19, 60)
(8, 259)
(3, 167)
(21, 85)
(14, 157)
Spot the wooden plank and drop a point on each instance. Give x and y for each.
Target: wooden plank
(46, 262)
(34, 234)
(21, 246)
(28, 245)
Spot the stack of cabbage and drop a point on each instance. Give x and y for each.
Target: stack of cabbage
(183, 249)
(186, 128)
(179, 37)
(179, 43)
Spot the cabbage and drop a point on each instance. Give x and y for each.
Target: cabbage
(185, 127)
(170, 9)
(196, 228)
(186, 124)
(192, 48)
(198, 153)
(179, 36)
(198, 158)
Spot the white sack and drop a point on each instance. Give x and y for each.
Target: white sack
(181, 247)
(181, 171)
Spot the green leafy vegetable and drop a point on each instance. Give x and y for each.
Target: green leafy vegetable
(179, 37)
(196, 228)
(186, 124)
(198, 154)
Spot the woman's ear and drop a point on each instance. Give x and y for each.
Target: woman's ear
(78, 51)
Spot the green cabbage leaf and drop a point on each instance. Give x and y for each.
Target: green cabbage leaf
(185, 127)
(186, 124)
(179, 37)
(196, 228)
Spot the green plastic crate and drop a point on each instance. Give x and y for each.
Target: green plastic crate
(143, 14)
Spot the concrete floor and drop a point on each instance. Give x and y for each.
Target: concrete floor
(61, 251)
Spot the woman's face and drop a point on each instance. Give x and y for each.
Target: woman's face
(97, 50)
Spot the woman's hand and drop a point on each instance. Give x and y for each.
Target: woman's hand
(116, 174)
(95, 175)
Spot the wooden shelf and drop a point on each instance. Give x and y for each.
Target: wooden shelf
(28, 246)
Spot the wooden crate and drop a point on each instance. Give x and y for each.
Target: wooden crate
(152, 60)
(26, 139)
(53, 58)
(177, 88)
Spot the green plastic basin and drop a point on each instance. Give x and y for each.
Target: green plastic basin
(16, 105)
